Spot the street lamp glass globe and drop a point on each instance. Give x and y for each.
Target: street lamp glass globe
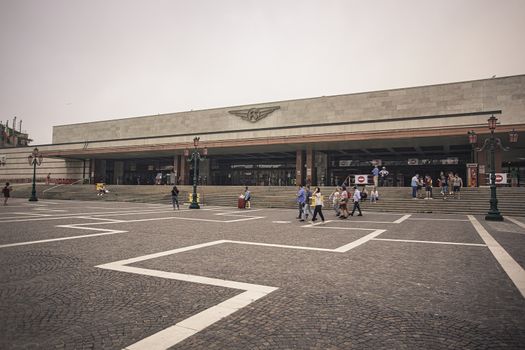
(513, 136)
(492, 122)
(472, 137)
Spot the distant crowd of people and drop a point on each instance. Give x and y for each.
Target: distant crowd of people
(450, 185)
(342, 198)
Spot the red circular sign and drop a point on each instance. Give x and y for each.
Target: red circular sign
(360, 178)
(499, 178)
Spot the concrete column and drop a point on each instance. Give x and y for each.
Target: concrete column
(320, 166)
(176, 169)
(184, 171)
(91, 171)
(299, 166)
(310, 170)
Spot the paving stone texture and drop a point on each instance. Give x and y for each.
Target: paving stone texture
(382, 294)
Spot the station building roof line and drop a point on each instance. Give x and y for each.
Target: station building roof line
(261, 104)
(316, 125)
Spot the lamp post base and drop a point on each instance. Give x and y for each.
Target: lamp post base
(194, 205)
(33, 199)
(494, 217)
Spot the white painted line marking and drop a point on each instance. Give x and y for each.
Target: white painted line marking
(317, 223)
(118, 213)
(111, 221)
(359, 241)
(519, 223)
(53, 210)
(244, 212)
(112, 208)
(356, 220)
(435, 219)
(401, 219)
(281, 246)
(432, 242)
(108, 232)
(382, 213)
(281, 222)
(193, 324)
(511, 267)
(93, 218)
(340, 228)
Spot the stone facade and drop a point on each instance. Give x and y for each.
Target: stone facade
(372, 111)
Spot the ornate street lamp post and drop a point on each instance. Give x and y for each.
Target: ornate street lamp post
(493, 214)
(34, 159)
(196, 158)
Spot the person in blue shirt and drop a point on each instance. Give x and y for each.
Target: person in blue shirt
(301, 199)
(414, 183)
(375, 173)
(247, 198)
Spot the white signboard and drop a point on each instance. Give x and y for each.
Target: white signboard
(501, 178)
(361, 179)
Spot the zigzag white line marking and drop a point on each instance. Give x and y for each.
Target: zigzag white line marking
(194, 324)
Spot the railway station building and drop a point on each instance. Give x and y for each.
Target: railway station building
(320, 140)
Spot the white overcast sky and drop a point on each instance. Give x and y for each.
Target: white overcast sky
(71, 61)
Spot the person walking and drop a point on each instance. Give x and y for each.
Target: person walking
(414, 184)
(308, 202)
(335, 197)
(382, 176)
(343, 203)
(318, 205)
(356, 198)
(301, 198)
(375, 173)
(175, 197)
(457, 184)
(7, 192)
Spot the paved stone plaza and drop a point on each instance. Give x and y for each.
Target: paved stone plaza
(107, 275)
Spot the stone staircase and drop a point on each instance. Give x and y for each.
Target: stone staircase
(392, 199)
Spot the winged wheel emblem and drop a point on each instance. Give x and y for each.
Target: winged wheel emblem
(254, 114)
